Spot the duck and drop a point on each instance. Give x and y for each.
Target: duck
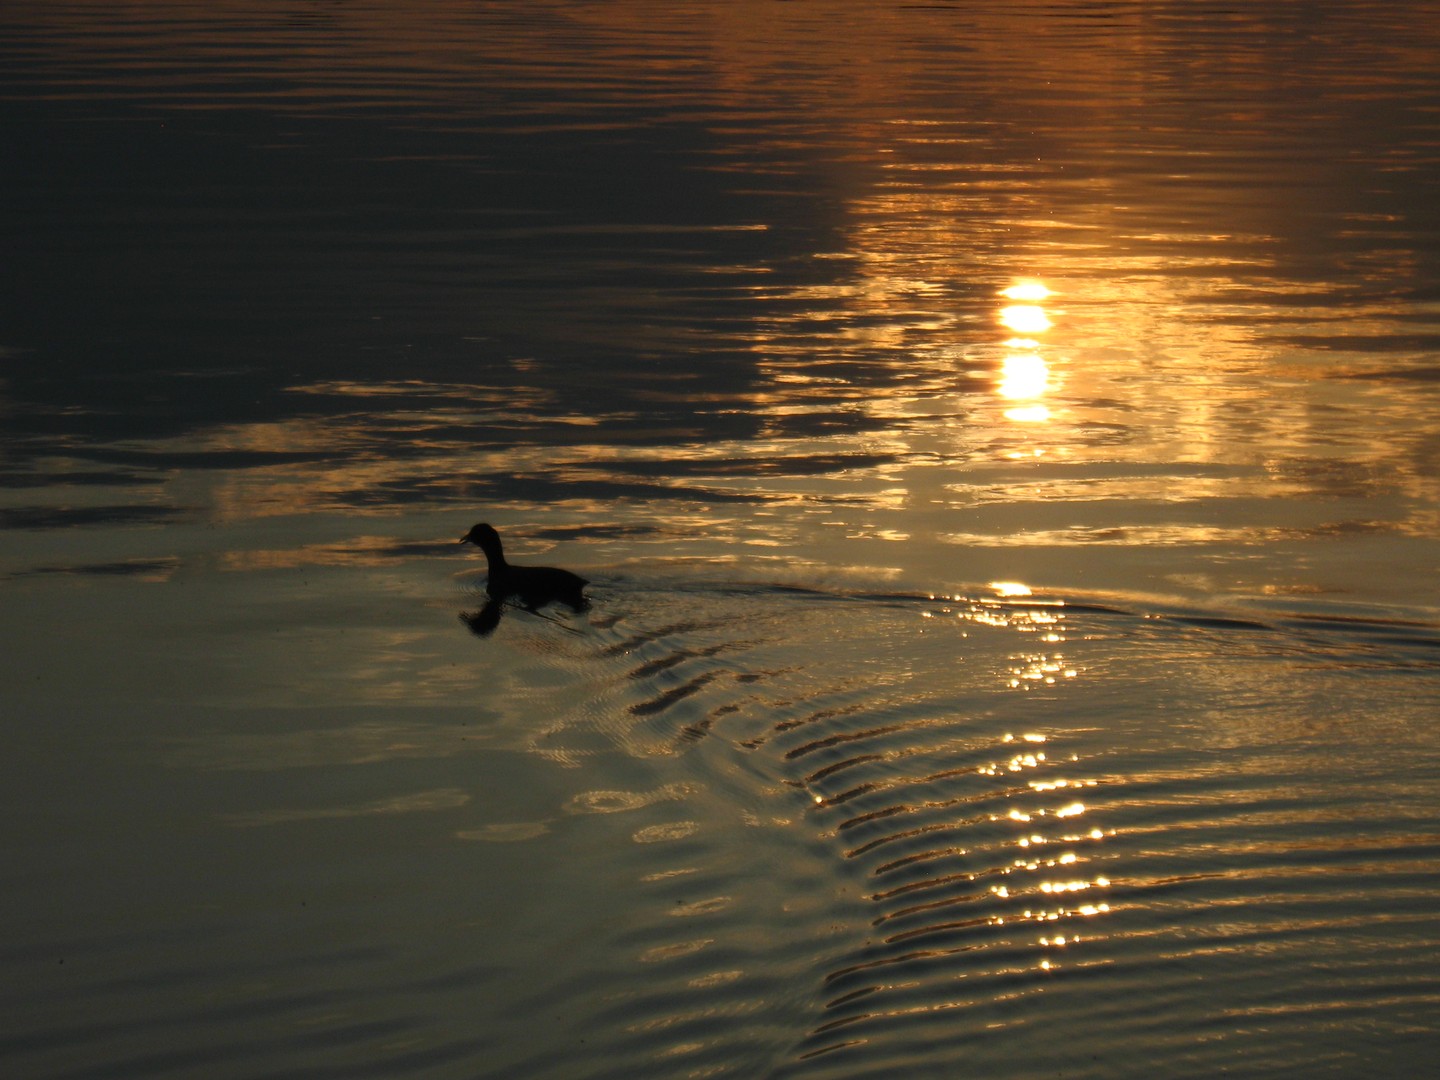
(533, 586)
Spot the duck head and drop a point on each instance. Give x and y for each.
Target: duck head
(486, 539)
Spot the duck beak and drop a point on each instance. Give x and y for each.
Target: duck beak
(463, 539)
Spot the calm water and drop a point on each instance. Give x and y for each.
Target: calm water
(1005, 446)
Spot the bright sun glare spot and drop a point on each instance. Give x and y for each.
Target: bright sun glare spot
(1010, 588)
(1023, 375)
(1031, 291)
(1025, 319)
(1028, 414)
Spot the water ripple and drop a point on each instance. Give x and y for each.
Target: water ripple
(1024, 858)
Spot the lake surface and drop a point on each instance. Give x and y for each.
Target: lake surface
(1004, 445)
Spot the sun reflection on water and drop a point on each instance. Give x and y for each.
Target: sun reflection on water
(1025, 375)
(1029, 291)
(1046, 883)
(1025, 318)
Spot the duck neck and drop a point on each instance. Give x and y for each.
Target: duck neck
(495, 557)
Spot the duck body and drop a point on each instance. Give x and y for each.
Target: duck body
(533, 586)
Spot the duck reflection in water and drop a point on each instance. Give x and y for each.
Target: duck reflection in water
(530, 587)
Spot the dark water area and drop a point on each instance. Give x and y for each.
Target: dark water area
(1002, 444)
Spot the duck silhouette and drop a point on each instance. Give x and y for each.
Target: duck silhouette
(531, 586)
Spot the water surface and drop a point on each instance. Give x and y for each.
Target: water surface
(1002, 444)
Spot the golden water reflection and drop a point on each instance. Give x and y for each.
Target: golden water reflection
(1024, 373)
(1238, 358)
(1025, 318)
